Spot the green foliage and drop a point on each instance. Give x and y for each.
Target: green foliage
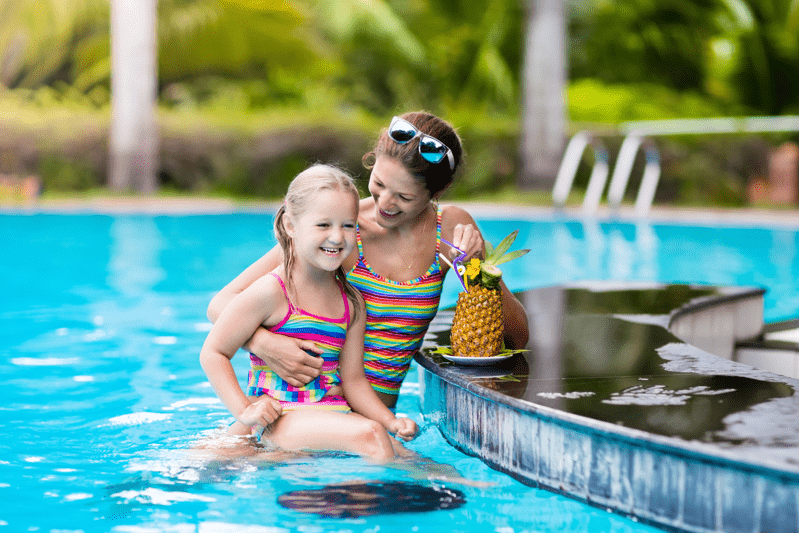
(61, 174)
(629, 41)
(591, 100)
(766, 55)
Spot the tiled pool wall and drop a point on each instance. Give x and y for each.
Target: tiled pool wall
(638, 477)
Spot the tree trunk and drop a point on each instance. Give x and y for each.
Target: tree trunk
(134, 133)
(543, 94)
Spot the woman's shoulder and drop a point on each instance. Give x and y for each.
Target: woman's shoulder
(452, 215)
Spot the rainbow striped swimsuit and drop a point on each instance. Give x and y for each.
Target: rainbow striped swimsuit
(398, 314)
(328, 333)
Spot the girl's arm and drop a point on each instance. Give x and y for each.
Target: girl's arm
(241, 317)
(460, 224)
(359, 392)
(285, 355)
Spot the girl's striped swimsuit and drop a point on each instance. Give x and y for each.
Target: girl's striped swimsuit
(398, 314)
(328, 333)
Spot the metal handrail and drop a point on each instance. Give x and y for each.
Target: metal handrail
(637, 133)
(568, 169)
(621, 174)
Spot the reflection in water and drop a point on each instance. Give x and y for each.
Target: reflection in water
(353, 500)
(134, 266)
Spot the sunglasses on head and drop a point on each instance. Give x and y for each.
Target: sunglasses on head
(401, 131)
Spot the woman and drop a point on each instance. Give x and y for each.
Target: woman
(396, 265)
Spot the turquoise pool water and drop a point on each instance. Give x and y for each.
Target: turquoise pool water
(104, 399)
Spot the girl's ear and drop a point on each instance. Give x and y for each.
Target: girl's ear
(288, 224)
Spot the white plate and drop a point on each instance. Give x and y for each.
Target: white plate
(476, 361)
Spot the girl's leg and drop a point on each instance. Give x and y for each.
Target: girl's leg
(308, 429)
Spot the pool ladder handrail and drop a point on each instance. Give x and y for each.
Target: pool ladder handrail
(599, 173)
(568, 169)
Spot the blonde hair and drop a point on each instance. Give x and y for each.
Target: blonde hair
(298, 200)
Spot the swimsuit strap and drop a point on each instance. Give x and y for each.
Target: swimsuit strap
(290, 310)
(285, 291)
(438, 229)
(346, 304)
(358, 239)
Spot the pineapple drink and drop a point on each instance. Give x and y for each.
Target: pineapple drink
(478, 324)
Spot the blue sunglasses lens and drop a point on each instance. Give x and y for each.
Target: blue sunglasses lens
(402, 131)
(432, 149)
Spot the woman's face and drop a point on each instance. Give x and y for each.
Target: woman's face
(398, 196)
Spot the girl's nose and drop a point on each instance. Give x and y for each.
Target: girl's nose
(336, 235)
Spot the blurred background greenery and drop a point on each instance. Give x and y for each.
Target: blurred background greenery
(251, 91)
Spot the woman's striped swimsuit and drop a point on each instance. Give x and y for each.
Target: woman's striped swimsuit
(398, 314)
(328, 333)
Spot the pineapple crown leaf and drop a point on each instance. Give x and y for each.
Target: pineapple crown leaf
(510, 256)
(501, 248)
(489, 249)
(499, 254)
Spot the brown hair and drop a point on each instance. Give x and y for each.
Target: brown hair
(435, 176)
(298, 199)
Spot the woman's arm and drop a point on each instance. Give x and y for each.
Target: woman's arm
(461, 226)
(359, 392)
(285, 355)
(242, 316)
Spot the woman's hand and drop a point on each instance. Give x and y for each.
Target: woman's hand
(403, 428)
(468, 238)
(288, 357)
(262, 412)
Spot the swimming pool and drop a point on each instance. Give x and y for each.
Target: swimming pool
(103, 398)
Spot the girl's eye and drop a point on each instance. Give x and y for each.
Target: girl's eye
(404, 199)
(349, 226)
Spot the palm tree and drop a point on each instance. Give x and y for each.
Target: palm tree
(543, 104)
(134, 134)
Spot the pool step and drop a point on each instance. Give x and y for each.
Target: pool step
(777, 350)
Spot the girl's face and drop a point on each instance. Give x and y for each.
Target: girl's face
(398, 196)
(324, 236)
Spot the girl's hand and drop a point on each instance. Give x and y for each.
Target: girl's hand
(468, 238)
(403, 428)
(288, 357)
(261, 412)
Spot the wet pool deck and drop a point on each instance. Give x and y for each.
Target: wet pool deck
(611, 407)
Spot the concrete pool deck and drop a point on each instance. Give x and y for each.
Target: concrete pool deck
(188, 205)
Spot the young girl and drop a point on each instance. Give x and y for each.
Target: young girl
(307, 297)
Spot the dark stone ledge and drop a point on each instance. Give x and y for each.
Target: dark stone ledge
(608, 406)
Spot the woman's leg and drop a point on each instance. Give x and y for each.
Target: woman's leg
(307, 429)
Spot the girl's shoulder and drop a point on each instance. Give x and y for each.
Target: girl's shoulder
(270, 289)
